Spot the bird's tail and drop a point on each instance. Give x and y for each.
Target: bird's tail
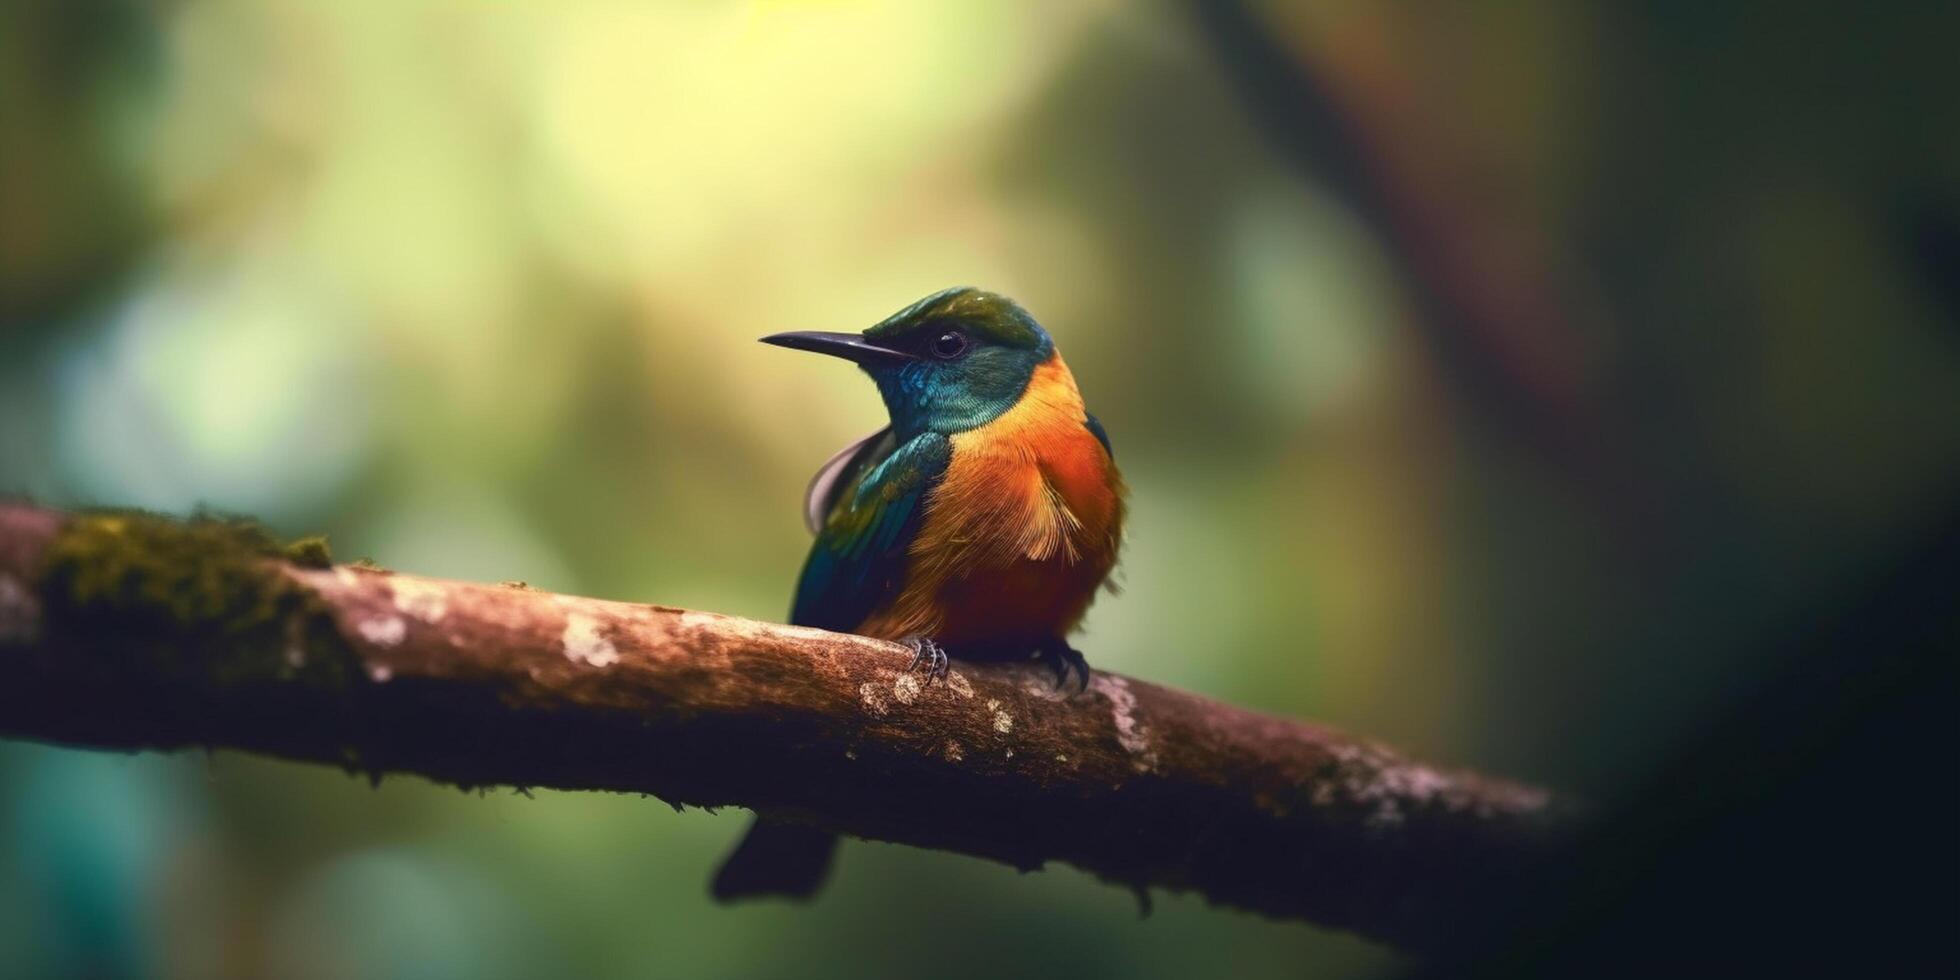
(778, 860)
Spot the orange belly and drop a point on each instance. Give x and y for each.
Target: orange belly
(1011, 610)
(1018, 534)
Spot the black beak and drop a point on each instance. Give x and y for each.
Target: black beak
(848, 346)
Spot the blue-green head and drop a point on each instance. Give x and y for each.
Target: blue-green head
(950, 362)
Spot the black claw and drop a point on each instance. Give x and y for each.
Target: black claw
(931, 655)
(1081, 669)
(1063, 658)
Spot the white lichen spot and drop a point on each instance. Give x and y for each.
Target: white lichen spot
(906, 688)
(386, 631)
(1395, 789)
(1131, 733)
(426, 601)
(953, 751)
(851, 754)
(873, 698)
(1060, 757)
(1003, 722)
(1385, 787)
(1010, 753)
(1422, 784)
(957, 683)
(585, 644)
(381, 673)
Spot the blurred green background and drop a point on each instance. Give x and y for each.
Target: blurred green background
(473, 289)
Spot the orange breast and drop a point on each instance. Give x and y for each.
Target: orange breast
(1019, 533)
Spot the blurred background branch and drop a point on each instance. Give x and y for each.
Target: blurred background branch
(130, 631)
(1481, 286)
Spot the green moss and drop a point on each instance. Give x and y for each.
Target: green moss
(195, 602)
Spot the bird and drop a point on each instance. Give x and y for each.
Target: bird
(979, 523)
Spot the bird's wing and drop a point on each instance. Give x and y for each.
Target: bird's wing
(837, 473)
(858, 559)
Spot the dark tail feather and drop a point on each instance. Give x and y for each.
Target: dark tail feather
(775, 860)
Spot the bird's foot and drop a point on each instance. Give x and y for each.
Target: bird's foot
(1062, 658)
(928, 655)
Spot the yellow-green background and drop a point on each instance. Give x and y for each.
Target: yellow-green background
(473, 289)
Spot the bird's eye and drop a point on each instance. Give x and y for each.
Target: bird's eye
(949, 345)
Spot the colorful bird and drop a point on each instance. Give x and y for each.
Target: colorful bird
(979, 523)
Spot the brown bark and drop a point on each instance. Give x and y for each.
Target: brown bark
(134, 632)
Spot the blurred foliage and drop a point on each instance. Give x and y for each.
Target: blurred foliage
(473, 289)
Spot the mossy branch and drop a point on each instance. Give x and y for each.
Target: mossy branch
(129, 631)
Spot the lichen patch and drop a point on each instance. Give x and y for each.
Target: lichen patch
(1395, 789)
(584, 643)
(872, 697)
(1420, 783)
(954, 753)
(1003, 722)
(1131, 733)
(905, 689)
(426, 601)
(957, 683)
(1383, 787)
(383, 631)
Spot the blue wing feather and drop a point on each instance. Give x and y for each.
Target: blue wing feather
(858, 559)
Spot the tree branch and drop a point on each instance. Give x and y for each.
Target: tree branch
(129, 631)
(1504, 334)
